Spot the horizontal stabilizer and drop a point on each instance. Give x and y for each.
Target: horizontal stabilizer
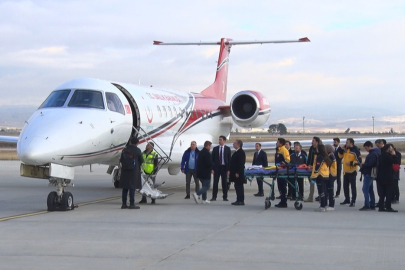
(231, 42)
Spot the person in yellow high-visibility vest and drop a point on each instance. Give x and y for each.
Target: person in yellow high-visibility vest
(149, 165)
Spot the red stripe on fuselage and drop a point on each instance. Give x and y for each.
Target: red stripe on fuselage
(204, 103)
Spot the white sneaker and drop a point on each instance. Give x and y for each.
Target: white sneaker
(320, 209)
(205, 202)
(196, 199)
(330, 209)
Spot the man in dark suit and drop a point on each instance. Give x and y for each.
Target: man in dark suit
(336, 142)
(221, 156)
(260, 158)
(237, 172)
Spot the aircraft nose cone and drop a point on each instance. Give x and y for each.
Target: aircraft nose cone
(35, 151)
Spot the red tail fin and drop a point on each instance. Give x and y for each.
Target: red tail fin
(218, 88)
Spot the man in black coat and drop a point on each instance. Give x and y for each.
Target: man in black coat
(221, 156)
(204, 168)
(130, 179)
(297, 158)
(385, 177)
(260, 159)
(237, 172)
(336, 145)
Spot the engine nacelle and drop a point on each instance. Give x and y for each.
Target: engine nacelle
(250, 109)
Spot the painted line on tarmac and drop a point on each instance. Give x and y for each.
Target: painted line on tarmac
(78, 205)
(24, 215)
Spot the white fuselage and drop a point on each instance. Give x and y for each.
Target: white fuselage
(76, 132)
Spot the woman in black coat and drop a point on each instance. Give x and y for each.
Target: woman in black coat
(131, 179)
(385, 177)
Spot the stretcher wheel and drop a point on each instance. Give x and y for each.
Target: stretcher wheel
(298, 205)
(267, 204)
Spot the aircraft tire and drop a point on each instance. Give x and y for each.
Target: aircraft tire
(67, 202)
(51, 201)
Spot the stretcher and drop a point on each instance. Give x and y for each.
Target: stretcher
(269, 176)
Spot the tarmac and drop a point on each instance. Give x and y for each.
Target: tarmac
(179, 234)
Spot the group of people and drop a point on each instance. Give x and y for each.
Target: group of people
(327, 162)
(221, 164)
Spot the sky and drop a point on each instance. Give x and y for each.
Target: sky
(352, 68)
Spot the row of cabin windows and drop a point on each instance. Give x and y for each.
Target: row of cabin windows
(193, 114)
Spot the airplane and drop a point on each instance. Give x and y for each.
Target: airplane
(87, 121)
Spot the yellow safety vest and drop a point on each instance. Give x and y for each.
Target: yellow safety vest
(148, 164)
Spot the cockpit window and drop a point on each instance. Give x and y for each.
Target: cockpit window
(56, 99)
(114, 103)
(87, 99)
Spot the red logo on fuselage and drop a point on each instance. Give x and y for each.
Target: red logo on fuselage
(149, 111)
(128, 109)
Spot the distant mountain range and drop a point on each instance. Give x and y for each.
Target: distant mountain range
(355, 119)
(15, 116)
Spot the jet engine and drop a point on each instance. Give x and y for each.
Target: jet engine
(250, 109)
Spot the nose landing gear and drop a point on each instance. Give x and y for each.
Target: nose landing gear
(60, 200)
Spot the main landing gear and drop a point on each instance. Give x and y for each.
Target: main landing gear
(60, 200)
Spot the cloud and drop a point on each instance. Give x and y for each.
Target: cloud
(354, 59)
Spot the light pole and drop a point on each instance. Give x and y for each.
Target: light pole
(303, 125)
(373, 123)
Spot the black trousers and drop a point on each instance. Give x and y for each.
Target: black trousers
(260, 184)
(282, 187)
(386, 192)
(339, 179)
(240, 192)
(300, 187)
(222, 174)
(349, 179)
(395, 195)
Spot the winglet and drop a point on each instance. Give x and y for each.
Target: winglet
(305, 39)
(155, 42)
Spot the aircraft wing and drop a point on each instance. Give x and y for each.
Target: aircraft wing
(10, 139)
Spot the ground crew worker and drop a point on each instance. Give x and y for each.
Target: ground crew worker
(310, 161)
(149, 165)
(351, 160)
(282, 157)
(330, 196)
(321, 173)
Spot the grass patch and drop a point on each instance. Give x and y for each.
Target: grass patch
(8, 155)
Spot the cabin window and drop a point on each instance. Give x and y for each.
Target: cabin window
(56, 99)
(170, 110)
(160, 112)
(164, 110)
(196, 114)
(87, 99)
(202, 113)
(175, 111)
(114, 103)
